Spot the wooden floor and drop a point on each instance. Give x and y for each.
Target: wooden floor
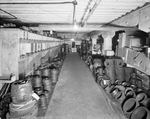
(76, 95)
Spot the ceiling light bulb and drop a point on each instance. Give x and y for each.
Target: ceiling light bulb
(75, 26)
(72, 39)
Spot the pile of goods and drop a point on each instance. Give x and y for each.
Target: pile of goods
(84, 49)
(128, 87)
(44, 80)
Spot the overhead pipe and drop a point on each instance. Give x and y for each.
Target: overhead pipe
(86, 10)
(22, 3)
(74, 10)
(90, 12)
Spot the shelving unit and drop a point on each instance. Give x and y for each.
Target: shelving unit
(21, 50)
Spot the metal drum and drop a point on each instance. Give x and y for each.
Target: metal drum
(37, 81)
(110, 70)
(38, 72)
(47, 84)
(54, 75)
(46, 72)
(21, 91)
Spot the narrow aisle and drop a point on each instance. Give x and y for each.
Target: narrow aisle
(76, 95)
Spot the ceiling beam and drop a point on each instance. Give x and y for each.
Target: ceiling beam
(58, 28)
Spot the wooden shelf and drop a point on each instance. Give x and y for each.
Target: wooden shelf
(136, 59)
(15, 42)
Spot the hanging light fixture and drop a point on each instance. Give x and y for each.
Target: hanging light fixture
(72, 39)
(75, 26)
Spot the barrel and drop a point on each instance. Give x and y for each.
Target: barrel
(21, 91)
(47, 84)
(37, 81)
(129, 106)
(140, 113)
(54, 75)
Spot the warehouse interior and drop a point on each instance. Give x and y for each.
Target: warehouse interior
(74, 59)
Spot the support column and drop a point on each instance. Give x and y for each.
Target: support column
(107, 46)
